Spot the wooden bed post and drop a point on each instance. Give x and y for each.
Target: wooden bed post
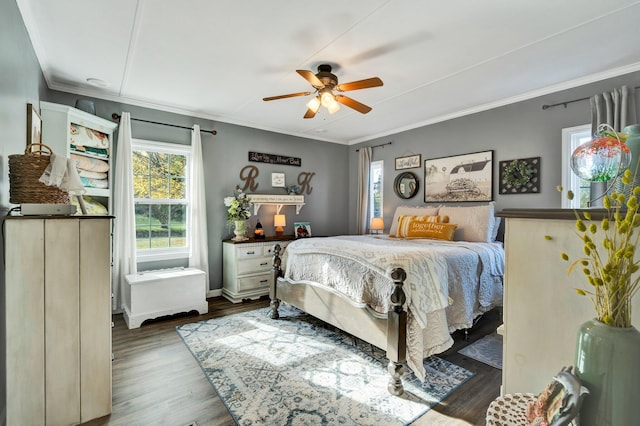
(277, 273)
(397, 333)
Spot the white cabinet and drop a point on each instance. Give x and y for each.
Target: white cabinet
(58, 319)
(247, 268)
(69, 131)
(542, 311)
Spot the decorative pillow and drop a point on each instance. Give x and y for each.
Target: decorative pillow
(425, 227)
(94, 208)
(410, 211)
(475, 223)
(93, 175)
(91, 164)
(405, 220)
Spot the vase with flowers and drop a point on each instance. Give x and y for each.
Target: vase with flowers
(238, 212)
(607, 356)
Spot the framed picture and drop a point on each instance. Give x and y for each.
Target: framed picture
(459, 178)
(34, 125)
(519, 176)
(302, 229)
(277, 180)
(409, 162)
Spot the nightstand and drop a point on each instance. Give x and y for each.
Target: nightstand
(247, 267)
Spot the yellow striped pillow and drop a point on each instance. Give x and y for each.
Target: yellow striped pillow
(425, 227)
(405, 220)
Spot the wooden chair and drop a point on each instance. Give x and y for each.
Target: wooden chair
(558, 405)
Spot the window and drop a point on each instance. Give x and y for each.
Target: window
(160, 192)
(573, 137)
(375, 189)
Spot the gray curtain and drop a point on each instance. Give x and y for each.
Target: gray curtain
(617, 109)
(364, 167)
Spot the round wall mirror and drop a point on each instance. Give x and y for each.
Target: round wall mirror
(406, 185)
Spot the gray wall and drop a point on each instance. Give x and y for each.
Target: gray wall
(514, 131)
(226, 154)
(519, 130)
(21, 82)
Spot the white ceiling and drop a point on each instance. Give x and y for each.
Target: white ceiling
(438, 59)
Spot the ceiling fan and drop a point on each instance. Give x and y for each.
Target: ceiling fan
(324, 82)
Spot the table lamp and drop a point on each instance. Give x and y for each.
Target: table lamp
(279, 221)
(377, 224)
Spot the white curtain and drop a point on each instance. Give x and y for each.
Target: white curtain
(124, 229)
(198, 243)
(364, 167)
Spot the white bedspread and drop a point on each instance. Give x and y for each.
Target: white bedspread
(448, 283)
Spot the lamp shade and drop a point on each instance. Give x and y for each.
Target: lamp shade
(377, 224)
(279, 220)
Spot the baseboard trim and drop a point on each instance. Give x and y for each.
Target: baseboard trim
(214, 293)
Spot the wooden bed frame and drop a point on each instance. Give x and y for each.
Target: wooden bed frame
(388, 332)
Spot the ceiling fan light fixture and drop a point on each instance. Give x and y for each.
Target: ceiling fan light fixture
(333, 107)
(314, 104)
(327, 98)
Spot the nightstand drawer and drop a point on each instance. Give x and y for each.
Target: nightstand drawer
(253, 250)
(247, 266)
(256, 281)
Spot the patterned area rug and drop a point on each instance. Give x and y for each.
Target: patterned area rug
(487, 350)
(298, 370)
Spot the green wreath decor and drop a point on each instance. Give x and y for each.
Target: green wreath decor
(517, 173)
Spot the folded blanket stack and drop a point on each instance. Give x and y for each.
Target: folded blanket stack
(90, 150)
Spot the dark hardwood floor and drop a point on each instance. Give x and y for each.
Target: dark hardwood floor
(156, 380)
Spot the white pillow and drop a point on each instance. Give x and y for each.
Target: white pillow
(410, 211)
(475, 223)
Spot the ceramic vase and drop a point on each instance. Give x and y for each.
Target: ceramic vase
(240, 230)
(607, 361)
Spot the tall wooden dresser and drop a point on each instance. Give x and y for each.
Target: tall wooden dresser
(58, 319)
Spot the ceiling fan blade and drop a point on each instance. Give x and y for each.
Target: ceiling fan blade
(290, 95)
(311, 78)
(352, 103)
(309, 114)
(360, 84)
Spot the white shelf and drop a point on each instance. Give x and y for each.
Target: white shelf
(57, 119)
(279, 201)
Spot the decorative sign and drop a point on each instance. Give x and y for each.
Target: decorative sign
(258, 157)
(409, 162)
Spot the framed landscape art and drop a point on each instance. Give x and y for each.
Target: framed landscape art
(459, 178)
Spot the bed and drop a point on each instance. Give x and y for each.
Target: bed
(405, 292)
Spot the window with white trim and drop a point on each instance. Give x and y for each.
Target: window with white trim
(160, 191)
(573, 137)
(375, 189)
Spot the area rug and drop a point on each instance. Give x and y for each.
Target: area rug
(297, 370)
(487, 350)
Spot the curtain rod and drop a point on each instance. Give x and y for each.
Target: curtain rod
(116, 117)
(376, 146)
(570, 102)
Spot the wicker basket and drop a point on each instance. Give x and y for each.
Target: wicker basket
(24, 172)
